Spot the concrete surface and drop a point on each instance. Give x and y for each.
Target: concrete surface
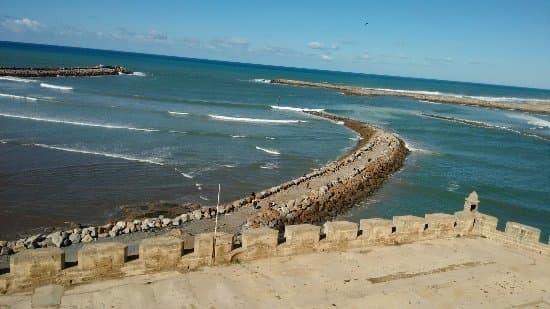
(449, 273)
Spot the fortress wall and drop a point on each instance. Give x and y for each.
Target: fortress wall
(33, 268)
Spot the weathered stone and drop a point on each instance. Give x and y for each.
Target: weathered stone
(102, 258)
(75, 238)
(37, 263)
(340, 231)
(197, 214)
(160, 252)
(48, 296)
(87, 238)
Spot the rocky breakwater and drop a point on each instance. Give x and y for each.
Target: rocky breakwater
(326, 192)
(54, 72)
(535, 106)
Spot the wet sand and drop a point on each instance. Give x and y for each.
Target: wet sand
(527, 106)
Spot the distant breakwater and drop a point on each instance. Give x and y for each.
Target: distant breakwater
(54, 72)
(527, 105)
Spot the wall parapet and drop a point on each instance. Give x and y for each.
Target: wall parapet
(33, 268)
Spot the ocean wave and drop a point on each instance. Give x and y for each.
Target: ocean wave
(270, 166)
(76, 123)
(183, 173)
(238, 136)
(17, 79)
(417, 150)
(141, 74)
(254, 120)
(261, 80)
(177, 113)
(103, 154)
(429, 102)
(532, 120)
(409, 91)
(50, 86)
(481, 124)
(228, 165)
(204, 198)
(270, 151)
(270, 137)
(297, 109)
(18, 97)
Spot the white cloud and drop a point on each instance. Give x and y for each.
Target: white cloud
(326, 57)
(229, 43)
(20, 25)
(321, 46)
(365, 57)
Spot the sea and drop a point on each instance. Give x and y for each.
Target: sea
(78, 149)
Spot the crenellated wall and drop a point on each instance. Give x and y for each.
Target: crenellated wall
(32, 268)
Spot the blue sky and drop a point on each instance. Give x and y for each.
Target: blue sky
(499, 42)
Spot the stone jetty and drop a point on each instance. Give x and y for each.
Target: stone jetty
(54, 72)
(315, 197)
(526, 106)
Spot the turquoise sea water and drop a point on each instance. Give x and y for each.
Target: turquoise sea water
(75, 149)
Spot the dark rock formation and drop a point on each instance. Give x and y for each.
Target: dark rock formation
(53, 72)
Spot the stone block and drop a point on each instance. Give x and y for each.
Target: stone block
(464, 222)
(260, 242)
(223, 248)
(409, 224)
(102, 257)
(440, 225)
(375, 230)
(471, 204)
(341, 231)
(522, 233)
(37, 263)
(302, 235)
(484, 224)
(204, 245)
(162, 252)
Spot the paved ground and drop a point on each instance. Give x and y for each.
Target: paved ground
(458, 273)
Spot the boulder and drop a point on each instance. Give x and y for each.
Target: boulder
(75, 238)
(87, 238)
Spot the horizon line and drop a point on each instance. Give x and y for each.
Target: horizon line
(273, 66)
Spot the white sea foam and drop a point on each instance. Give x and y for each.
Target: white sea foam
(183, 173)
(408, 91)
(270, 151)
(228, 165)
(139, 74)
(296, 109)
(532, 120)
(204, 198)
(261, 80)
(76, 123)
(270, 166)
(17, 79)
(103, 154)
(238, 136)
(50, 86)
(255, 120)
(417, 150)
(18, 97)
(429, 102)
(270, 137)
(177, 113)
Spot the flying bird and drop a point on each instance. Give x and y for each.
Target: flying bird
(366, 23)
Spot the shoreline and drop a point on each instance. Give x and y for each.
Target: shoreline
(529, 106)
(315, 197)
(55, 72)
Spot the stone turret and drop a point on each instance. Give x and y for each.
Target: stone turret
(471, 204)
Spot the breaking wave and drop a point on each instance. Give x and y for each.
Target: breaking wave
(103, 154)
(297, 109)
(261, 80)
(254, 120)
(183, 174)
(76, 123)
(270, 151)
(481, 124)
(50, 86)
(17, 79)
(270, 166)
(532, 120)
(18, 97)
(178, 113)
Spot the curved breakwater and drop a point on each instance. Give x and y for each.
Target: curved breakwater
(314, 197)
(528, 105)
(53, 72)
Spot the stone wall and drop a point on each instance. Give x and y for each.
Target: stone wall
(32, 268)
(54, 72)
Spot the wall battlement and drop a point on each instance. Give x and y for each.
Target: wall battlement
(33, 268)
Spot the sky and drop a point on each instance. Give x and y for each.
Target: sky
(497, 42)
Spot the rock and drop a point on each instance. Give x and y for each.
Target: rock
(6, 251)
(66, 242)
(184, 218)
(75, 238)
(197, 214)
(166, 221)
(112, 233)
(221, 210)
(46, 243)
(102, 235)
(120, 225)
(31, 242)
(87, 238)
(176, 221)
(57, 239)
(3, 243)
